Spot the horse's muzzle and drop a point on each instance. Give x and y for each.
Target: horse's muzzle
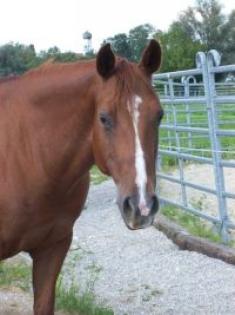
(139, 216)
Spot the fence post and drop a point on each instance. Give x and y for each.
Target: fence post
(206, 63)
(186, 85)
(178, 144)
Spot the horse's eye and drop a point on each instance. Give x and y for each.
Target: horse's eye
(106, 121)
(161, 115)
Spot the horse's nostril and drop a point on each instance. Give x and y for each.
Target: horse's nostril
(127, 206)
(126, 202)
(154, 204)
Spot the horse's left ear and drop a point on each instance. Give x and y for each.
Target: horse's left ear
(151, 58)
(105, 61)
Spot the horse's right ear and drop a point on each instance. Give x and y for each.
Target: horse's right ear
(105, 61)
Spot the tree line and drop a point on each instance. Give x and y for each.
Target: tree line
(17, 58)
(201, 27)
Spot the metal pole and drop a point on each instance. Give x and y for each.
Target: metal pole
(205, 65)
(177, 139)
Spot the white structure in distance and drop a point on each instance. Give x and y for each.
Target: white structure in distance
(87, 36)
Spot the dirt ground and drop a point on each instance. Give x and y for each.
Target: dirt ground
(14, 301)
(201, 174)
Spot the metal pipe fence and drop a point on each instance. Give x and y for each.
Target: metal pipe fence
(199, 128)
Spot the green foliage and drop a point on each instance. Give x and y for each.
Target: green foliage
(228, 49)
(69, 297)
(17, 275)
(201, 27)
(96, 176)
(120, 45)
(179, 49)
(71, 300)
(67, 57)
(132, 45)
(199, 117)
(16, 58)
(138, 39)
(206, 22)
(193, 224)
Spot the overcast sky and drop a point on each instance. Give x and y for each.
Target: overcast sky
(47, 23)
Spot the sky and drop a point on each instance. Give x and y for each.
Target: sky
(47, 23)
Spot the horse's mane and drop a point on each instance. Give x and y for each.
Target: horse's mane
(125, 73)
(51, 65)
(128, 77)
(8, 78)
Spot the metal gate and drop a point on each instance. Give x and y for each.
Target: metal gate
(199, 128)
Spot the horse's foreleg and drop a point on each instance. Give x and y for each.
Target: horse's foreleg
(47, 263)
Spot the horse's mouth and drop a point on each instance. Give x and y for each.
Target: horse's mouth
(137, 222)
(134, 226)
(132, 215)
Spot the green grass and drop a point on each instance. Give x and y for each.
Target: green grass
(96, 176)
(200, 142)
(193, 224)
(198, 119)
(68, 299)
(15, 274)
(74, 302)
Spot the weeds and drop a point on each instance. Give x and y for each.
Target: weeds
(15, 274)
(193, 224)
(69, 298)
(96, 176)
(73, 301)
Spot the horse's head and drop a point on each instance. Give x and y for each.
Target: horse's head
(125, 136)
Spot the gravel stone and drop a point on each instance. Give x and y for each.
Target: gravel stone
(136, 272)
(143, 272)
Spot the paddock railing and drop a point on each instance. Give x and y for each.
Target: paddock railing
(199, 130)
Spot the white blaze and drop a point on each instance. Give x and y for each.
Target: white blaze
(140, 166)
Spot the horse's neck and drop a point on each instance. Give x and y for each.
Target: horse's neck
(64, 114)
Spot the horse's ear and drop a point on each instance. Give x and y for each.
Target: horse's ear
(105, 61)
(151, 58)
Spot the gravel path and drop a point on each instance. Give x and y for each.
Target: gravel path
(137, 272)
(142, 272)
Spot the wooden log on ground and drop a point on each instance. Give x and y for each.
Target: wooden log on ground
(187, 241)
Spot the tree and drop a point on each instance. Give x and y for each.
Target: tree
(206, 22)
(121, 46)
(132, 45)
(138, 39)
(179, 49)
(228, 51)
(16, 58)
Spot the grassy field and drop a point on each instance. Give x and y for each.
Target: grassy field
(195, 143)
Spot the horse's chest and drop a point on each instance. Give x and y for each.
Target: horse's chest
(34, 222)
(33, 231)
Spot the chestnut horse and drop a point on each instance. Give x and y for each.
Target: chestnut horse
(55, 123)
